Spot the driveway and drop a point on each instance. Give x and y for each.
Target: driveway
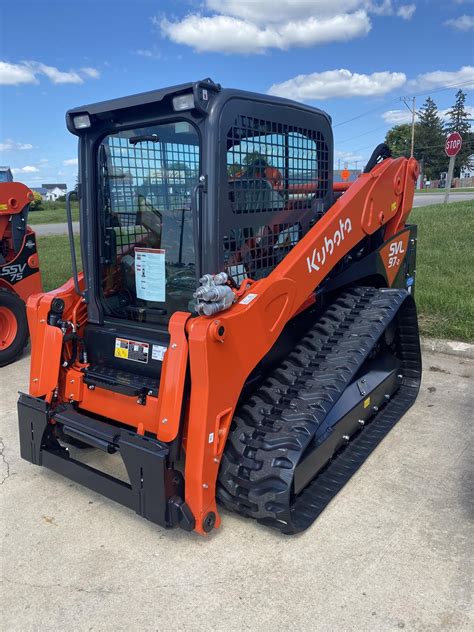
(392, 551)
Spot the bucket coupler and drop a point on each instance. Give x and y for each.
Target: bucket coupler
(154, 490)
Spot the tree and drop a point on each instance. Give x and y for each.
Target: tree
(429, 140)
(399, 140)
(458, 121)
(37, 203)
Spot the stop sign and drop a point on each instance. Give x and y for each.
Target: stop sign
(453, 144)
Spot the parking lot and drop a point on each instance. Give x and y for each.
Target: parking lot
(392, 551)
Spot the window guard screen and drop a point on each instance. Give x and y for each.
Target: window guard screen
(277, 177)
(146, 177)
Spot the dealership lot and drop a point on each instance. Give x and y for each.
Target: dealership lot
(392, 550)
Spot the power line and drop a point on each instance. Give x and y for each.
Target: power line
(387, 103)
(346, 140)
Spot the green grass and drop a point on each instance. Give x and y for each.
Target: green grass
(52, 214)
(55, 260)
(445, 263)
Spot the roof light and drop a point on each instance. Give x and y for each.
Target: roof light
(82, 121)
(183, 102)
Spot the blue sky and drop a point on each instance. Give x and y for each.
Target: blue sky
(352, 58)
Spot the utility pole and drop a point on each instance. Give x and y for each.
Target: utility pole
(413, 115)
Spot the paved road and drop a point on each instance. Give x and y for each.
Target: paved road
(421, 199)
(46, 230)
(391, 552)
(425, 199)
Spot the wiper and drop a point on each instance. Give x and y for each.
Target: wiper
(152, 138)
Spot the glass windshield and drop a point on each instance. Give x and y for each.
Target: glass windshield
(146, 177)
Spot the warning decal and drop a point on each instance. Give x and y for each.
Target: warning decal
(131, 350)
(150, 274)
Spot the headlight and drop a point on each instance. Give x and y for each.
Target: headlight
(82, 121)
(183, 102)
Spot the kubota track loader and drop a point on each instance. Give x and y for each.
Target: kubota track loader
(244, 329)
(19, 269)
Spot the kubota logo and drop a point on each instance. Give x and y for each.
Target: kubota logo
(318, 258)
(14, 271)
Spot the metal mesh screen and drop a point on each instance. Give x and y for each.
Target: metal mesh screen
(277, 177)
(148, 178)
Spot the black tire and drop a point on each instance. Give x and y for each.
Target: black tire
(11, 306)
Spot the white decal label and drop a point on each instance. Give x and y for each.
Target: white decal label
(14, 271)
(248, 299)
(150, 274)
(158, 352)
(318, 257)
(211, 437)
(395, 249)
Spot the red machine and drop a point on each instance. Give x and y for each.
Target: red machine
(20, 276)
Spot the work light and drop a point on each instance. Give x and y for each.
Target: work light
(82, 121)
(183, 102)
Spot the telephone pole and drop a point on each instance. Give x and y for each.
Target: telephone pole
(413, 116)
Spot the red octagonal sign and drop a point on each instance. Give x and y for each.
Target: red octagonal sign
(453, 144)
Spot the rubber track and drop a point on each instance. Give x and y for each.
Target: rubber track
(271, 431)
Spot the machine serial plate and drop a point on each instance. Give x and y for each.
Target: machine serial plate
(131, 350)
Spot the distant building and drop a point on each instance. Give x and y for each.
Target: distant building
(41, 190)
(6, 174)
(346, 175)
(54, 191)
(468, 172)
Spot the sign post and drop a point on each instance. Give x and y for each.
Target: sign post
(452, 147)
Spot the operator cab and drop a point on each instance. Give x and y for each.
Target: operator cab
(184, 181)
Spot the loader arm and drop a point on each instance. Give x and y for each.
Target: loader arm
(222, 353)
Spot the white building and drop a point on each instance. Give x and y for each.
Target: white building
(54, 191)
(468, 172)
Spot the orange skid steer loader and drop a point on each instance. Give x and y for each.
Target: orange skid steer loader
(19, 269)
(244, 330)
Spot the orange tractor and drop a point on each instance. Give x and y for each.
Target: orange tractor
(244, 330)
(19, 269)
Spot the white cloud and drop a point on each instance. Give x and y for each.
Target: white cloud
(406, 11)
(254, 26)
(26, 169)
(28, 72)
(53, 74)
(462, 23)
(11, 145)
(398, 117)
(150, 53)
(265, 11)
(338, 83)
(92, 73)
(15, 74)
(227, 34)
(464, 78)
(347, 156)
(70, 162)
